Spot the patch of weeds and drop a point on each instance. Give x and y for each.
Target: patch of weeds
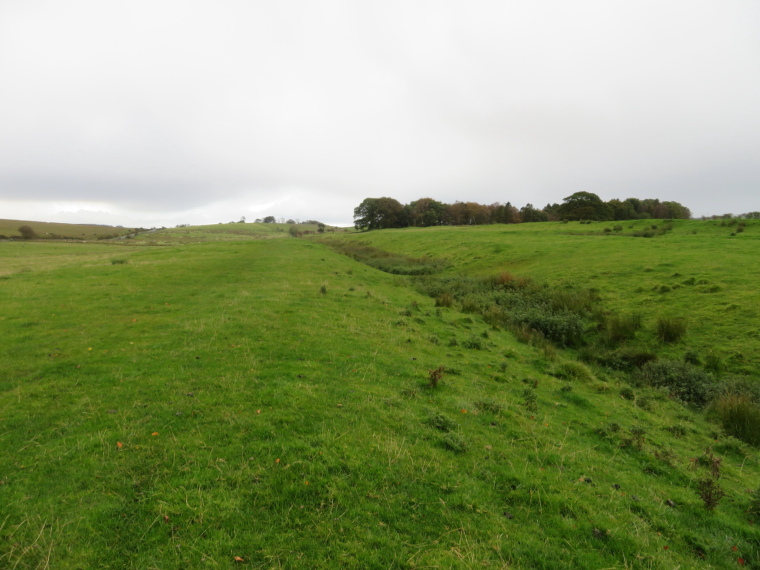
(692, 357)
(638, 436)
(323, 289)
(714, 363)
(442, 423)
(119, 261)
(444, 300)
(434, 340)
(666, 456)
(644, 404)
(627, 394)
(530, 400)
(532, 382)
(489, 406)
(409, 393)
(473, 343)
(670, 329)
(619, 328)
(678, 431)
(754, 503)
(454, 442)
(453, 341)
(435, 376)
(710, 493)
(739, 415)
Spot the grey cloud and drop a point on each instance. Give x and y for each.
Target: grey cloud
(164, 107)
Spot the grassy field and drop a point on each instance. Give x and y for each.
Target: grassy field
(702, 271)
(268, 403)
(52, 230)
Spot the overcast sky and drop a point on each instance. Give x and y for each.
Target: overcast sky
(165, 112)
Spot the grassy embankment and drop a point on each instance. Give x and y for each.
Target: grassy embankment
(269, 400)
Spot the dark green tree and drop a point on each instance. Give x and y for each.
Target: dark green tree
(584, 206)
(378, 214)
(27, 232)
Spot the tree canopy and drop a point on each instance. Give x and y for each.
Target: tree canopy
(380, 213)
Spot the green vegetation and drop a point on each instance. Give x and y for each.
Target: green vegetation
(384, 213)
(226, 399)
(16, 229)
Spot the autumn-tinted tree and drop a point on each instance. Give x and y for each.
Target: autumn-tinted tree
(468, 213)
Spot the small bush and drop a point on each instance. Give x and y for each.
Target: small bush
(684, 381)
(710, 493)
(670, 329)
(323, 289)
(570, 370)
(473, 343)
(119, 261)
(435, 376)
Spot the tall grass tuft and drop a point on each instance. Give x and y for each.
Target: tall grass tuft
(740, 416)
(670, 329)
(619, 328)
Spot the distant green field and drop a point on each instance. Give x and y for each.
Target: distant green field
(52, 230)
(220, 400)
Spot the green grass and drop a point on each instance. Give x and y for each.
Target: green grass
(53, 230)
(270, 399)
(697, 271)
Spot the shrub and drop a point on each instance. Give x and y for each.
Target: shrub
(323, 289)
(710, 493)
(27, 232)
(119, 261)
(435, 376)
(684, 381)
(570, 370)
(670, 329)
(740, 416)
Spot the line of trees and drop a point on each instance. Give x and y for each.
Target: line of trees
(381, 213)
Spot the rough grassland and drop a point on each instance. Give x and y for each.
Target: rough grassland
(702, 271)
(264, 404)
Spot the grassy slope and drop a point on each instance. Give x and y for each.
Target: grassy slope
(261, 418)
(721, 307)
(74, 231)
